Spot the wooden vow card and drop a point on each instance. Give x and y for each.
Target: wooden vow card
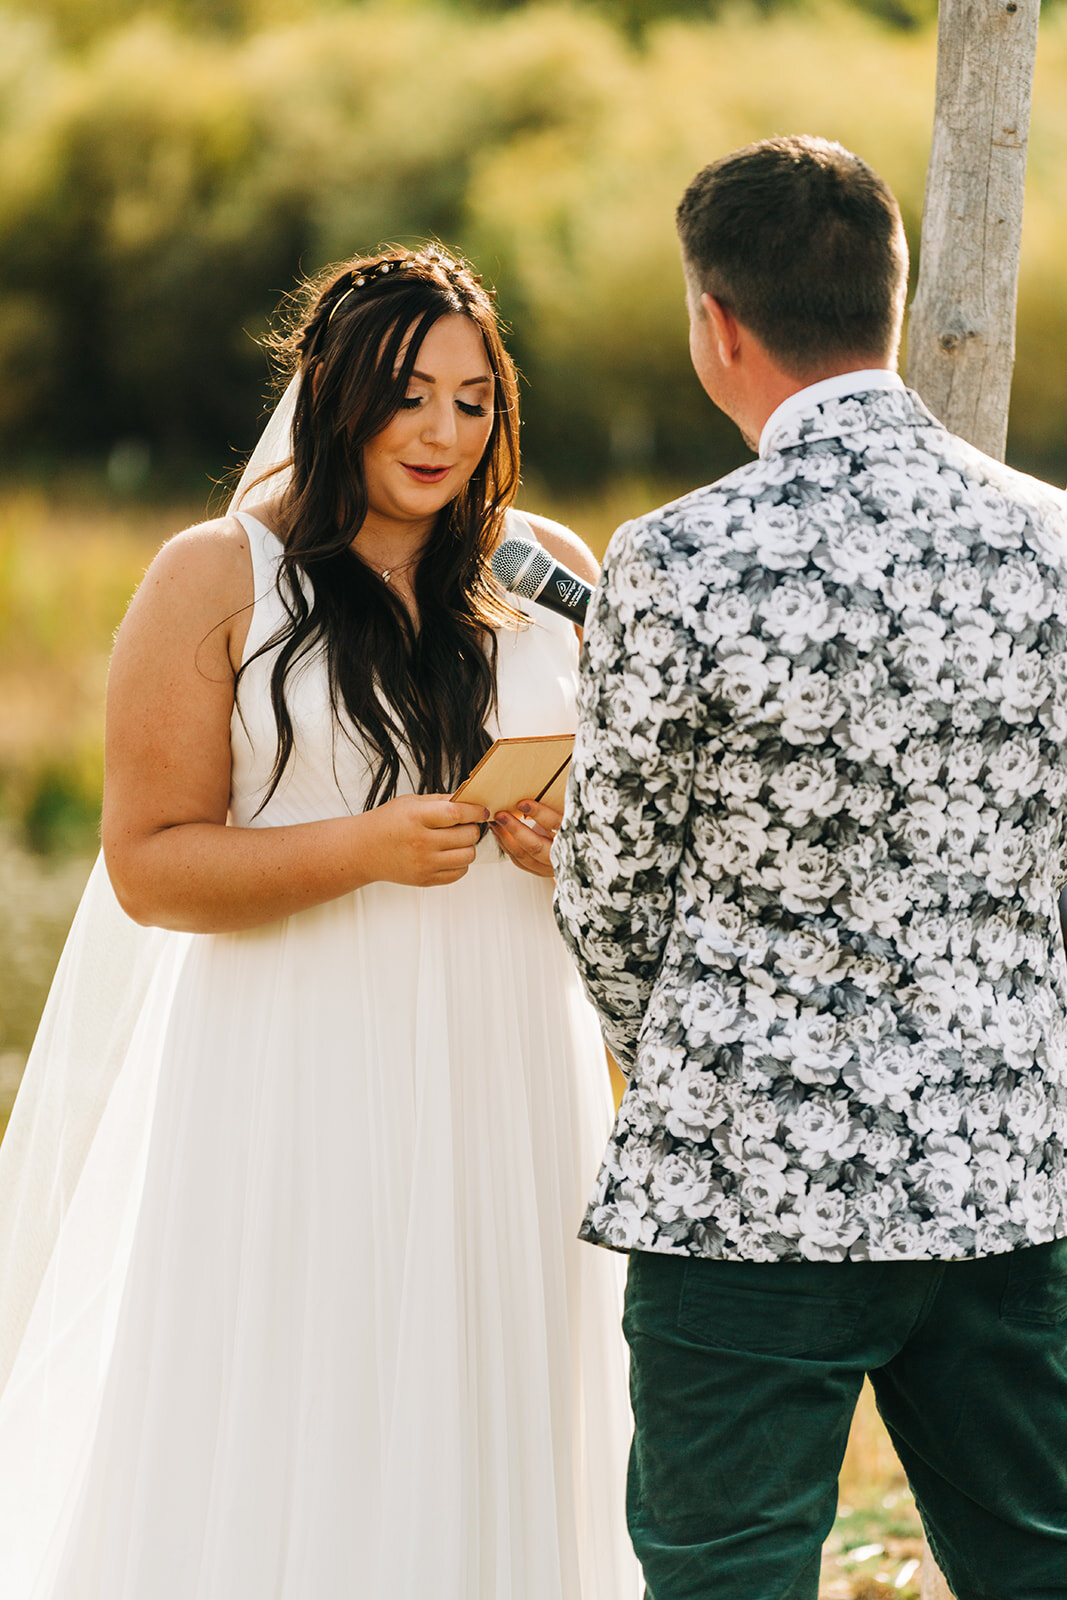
(520, 769)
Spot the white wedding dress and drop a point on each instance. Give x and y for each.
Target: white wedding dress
(293, 1302)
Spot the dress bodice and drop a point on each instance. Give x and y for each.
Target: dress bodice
(329, 769)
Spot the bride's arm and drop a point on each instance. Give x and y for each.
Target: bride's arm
(171, 858)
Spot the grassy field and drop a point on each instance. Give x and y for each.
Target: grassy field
(66, 571)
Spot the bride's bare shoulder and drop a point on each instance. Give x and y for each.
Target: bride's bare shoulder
(208, 564)
(218, 546)
(199, 585)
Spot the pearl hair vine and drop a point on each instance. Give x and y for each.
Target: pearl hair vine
(378, 269)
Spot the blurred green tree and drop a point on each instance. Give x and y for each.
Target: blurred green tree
(163, 185)
(638, 15)
(79, 20)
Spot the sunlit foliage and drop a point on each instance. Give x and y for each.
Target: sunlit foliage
(165, 178)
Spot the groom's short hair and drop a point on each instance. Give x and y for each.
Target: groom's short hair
(804, 244)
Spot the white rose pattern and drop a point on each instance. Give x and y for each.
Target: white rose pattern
(816, 826)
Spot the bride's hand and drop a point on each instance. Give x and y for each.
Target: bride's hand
(529, 842)
(423, 839)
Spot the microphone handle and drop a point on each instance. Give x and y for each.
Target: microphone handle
(565, 594)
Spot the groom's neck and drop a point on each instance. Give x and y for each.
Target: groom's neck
(761, 385)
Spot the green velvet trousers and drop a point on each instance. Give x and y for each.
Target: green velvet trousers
(744, 1378)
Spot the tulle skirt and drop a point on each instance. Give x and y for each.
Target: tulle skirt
(294, 1286)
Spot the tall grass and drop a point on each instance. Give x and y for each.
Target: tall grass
(67, 570)
(38, 896)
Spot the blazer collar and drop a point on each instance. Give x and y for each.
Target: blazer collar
(808, 416)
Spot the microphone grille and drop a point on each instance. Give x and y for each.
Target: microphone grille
(514, 555)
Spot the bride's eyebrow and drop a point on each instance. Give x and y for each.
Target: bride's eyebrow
(468, 383)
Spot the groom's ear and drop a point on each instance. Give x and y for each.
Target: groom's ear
(723, 329)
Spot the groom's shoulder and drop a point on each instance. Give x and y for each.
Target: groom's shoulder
(700, 510)
(812, 482)
(742, 484)
(985, 475)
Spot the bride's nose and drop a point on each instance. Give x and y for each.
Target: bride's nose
(439, 423)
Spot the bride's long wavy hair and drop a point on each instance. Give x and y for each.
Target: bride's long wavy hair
(418, 696)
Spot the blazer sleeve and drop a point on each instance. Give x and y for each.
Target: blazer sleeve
(628, 796)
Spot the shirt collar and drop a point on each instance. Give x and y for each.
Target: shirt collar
(835, 388)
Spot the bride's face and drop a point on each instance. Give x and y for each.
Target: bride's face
(426, 453)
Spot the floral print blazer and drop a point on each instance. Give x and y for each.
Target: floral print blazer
(815, 829)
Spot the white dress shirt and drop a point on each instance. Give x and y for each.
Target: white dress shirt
(835, 388)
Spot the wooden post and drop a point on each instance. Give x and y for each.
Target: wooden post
(961, 336)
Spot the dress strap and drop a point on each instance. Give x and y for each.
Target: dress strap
(265, 549)
(518, 526)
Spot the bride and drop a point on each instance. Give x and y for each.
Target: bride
(293, 1307)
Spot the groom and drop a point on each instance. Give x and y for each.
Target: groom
(815, 830)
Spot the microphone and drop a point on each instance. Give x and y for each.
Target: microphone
(525, 569)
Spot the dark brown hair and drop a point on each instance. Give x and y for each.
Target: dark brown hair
(416, 694)
(804, 244)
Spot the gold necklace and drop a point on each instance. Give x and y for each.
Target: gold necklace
(387, 573)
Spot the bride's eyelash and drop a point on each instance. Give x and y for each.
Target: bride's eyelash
(410, 402)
